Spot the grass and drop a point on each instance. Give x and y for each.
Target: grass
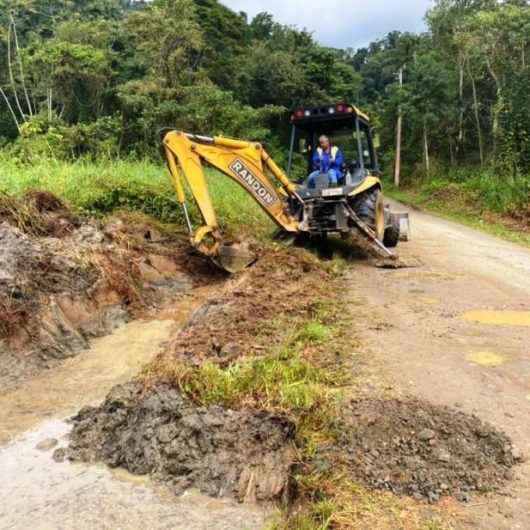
(99, 188)
(286, 381)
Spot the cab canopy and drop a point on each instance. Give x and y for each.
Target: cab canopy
(347, 127)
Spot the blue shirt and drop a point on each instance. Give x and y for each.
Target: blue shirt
(327, 163)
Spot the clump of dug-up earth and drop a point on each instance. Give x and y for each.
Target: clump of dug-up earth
(241, 323)
(246, 454)
(65, 279)
(426, 451)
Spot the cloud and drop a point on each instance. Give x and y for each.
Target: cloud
(342, 23)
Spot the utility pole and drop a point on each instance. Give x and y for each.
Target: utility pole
(397, 165)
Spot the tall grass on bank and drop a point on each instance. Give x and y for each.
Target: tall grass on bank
(481, 198)
(488, 188)
(98, 188)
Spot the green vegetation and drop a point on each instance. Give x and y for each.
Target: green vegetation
(98, 188)
(96, 80)
(284, 380)
(103, 76)
(292, 378)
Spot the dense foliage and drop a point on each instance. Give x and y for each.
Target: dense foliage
(103, 76)
(99, 78)
(466, 84)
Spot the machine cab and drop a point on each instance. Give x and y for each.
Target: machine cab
(348, 129)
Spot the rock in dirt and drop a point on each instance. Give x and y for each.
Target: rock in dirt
(427, 434)
(424, 450)
(59, 455)
(245, 454)
(46, 445)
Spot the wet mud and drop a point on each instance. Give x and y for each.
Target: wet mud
(39, 493)
(85, 379)
(147, 427)
(245, 454)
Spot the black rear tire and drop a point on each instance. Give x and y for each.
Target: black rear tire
(392, 234)
(369, 207)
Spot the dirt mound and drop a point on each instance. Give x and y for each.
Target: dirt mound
(245, 454)
(240, 323)
(427, 451)
(38, 213)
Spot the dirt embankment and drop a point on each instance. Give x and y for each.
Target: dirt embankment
(65, 279)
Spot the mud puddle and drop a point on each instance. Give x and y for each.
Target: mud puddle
(39, 493)
(499, 318)
(84, 379)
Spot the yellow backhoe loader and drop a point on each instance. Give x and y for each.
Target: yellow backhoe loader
(355, 205)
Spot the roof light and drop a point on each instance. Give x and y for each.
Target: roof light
(331, 110)
(307, 113)
(299, 113)
(340, 107)
(350, 110)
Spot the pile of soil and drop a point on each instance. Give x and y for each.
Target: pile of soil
(244, 454)
(283, 285)
(427, 451)
(66, 279)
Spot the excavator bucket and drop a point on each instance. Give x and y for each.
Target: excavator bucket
(232, 256)
(235, 257)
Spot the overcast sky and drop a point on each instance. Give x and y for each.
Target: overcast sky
(342, 23)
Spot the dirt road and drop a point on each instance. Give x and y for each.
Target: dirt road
(456, 331)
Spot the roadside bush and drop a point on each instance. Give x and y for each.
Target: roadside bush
(44, 138)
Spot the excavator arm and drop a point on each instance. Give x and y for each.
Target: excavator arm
(246, 163)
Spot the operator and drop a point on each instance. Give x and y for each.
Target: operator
(327, 159)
